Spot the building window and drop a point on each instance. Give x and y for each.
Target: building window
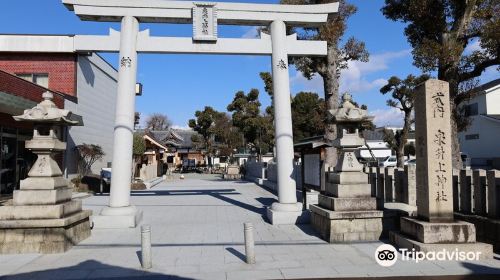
(471, 110)
(471, 136)
(39, 79)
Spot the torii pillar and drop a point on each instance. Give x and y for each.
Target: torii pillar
(119, 213)
(287, 210)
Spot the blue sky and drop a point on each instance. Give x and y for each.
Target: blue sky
(178, 85)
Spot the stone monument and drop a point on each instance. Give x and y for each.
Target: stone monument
(232, 172)
(347, 211)
(43, 217)
(435, 228)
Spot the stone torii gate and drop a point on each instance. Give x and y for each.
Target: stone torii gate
(205, 17)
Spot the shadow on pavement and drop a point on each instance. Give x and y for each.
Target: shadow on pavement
(477, 268)
(237, 253)
(154, 245)
(221, 194)
(92, 270)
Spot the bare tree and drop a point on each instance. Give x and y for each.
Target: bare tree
(158, 121)
(88, 154)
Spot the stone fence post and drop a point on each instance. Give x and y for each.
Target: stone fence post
(456, 190)
(398, 184)
(410, 185)
(380, 188)
(372, 179)
(493, 194)
(466, 191)
(479, 182)
(389, 184)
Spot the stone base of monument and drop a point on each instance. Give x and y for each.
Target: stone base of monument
(347, 226)
(117, 217)
(287, 214)
(45, 236)
(436, 236)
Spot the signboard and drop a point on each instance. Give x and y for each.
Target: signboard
(204, 22)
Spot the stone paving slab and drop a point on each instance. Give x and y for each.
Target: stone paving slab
(197, 233)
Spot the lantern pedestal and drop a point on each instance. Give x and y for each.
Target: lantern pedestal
(43, 217)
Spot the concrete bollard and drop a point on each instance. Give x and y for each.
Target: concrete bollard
(249, 243)
(146, 246)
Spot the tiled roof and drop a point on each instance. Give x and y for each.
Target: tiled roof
(179, 138)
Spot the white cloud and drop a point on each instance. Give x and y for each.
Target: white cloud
(353, 78)
(251, 33)
(184, 127)
(388, 117)
(314, 85)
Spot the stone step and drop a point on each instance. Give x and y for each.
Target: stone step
(333, 215)
(43, 183)
(436, 233)
(27, 212)
(348, 178)
(482, 250)
(46, 223)
(349, 191)
(42, 197)
(36, 238)
(153, 182)
(348, 204)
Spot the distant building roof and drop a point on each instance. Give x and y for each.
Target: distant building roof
(312, 143)
(186, 135)
(178, 138)
(482, 89)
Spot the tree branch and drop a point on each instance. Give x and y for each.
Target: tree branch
(479, 68)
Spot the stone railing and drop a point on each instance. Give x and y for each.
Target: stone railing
(267, 173)
(474, 191)
(391, 184)
(476, 195)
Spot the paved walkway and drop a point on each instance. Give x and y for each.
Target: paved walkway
(197, 233)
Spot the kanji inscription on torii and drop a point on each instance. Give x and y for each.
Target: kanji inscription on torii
(434, 162)
(204, 22)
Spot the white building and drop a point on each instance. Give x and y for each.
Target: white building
(480, 140)
(88, 83)
(375, 141)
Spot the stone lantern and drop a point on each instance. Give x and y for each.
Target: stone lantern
(43, 217)
(347, 211)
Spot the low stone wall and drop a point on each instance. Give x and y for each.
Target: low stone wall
(393, 185)
(272, 173)
(487, 230)
(476, 196)
(254, 169)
